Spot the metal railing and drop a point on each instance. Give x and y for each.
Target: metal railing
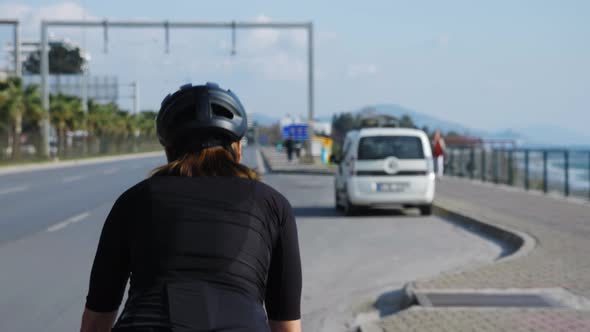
(563, 171)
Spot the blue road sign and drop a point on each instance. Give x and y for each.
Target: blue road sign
(296, 131)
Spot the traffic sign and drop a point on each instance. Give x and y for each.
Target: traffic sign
(297, 132)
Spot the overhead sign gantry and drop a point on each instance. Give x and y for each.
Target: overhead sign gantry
(167, 25)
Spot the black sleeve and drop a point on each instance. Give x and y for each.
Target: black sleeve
(283, 291)
(110, 270)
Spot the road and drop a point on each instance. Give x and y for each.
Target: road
(51, 221)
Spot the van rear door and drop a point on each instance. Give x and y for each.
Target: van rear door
(391, 155)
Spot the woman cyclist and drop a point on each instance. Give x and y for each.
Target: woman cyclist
(206, 246)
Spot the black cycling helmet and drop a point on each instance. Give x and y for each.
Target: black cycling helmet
(206, 113)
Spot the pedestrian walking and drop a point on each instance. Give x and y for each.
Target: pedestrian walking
(205, 244)
(439, 153)
(289, 147)
(298, 146)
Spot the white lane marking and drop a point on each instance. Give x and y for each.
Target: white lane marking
(72, 178)
(11, 190)
(69, 221)
(111, 170)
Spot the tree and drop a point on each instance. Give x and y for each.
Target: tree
(341, 124)
(145, 123)
(407, 122)
(66, 114)
(12, 108)
(452, 133)
(19, 107)
(33, 115)
(64, 58)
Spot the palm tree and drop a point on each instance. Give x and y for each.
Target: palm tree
(65, 114)
(34, 112)
(101, 124)
(13, 107)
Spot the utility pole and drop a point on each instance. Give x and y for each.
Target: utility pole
(310, 100)
(45, 149)
(17, 54)
(135, 86)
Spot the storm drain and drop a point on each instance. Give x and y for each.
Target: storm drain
(546, 298)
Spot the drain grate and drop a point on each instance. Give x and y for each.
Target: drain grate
(465, 299)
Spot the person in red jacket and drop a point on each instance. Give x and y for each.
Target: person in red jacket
(439, 153)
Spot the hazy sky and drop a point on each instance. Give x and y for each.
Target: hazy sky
(488, 65)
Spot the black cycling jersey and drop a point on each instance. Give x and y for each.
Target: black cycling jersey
(205, 253)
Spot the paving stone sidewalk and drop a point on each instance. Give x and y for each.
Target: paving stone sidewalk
(560, 259)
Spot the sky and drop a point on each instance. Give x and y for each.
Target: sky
(488, 65)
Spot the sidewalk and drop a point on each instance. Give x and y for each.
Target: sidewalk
(557, 266)
(552, 267)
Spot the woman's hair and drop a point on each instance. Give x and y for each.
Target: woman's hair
(213, 161)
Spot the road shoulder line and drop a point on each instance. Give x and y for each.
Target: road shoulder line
(5, 170)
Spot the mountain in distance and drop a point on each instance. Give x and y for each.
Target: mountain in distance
(547, 135)
(420, 119)
(263, 119)
(539, 136)
(533, 136)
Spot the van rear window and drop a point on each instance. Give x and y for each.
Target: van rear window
(381, 147)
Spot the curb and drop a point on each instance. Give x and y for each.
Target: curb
(519, 244)
(24, 168)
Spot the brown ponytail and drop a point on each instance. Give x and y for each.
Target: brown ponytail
(215, 161)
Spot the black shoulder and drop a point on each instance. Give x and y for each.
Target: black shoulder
(137, 191)
(269, 192)
(275, 203)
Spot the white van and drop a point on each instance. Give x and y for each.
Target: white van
(385, 167)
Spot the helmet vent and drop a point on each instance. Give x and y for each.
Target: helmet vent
(221, 111)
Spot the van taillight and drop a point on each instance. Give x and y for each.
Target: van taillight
(352, 168)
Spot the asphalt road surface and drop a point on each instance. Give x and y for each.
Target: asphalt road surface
(50, 221)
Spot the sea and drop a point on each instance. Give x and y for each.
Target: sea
(579, 166)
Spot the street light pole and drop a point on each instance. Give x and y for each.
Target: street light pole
(17, 54)
(45, 149)
(310, 100)
(135, 86)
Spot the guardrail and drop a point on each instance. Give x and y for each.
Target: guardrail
(564, 171)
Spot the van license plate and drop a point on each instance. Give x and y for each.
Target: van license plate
(392, 187)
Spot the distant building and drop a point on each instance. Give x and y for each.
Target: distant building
(460, 141)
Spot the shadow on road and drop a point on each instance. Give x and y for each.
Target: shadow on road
(328, 211)
(316, 211)
(391, 302)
